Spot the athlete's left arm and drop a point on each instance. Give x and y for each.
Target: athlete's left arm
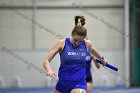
(95, 52)
(94, 60)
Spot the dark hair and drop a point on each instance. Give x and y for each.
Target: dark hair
(79, 29)
(82, 19)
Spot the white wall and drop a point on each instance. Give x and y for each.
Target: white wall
(105, 30)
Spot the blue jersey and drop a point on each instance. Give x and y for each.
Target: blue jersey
(88, 64)
(73, 66)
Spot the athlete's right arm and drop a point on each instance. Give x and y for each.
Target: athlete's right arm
(56, 48)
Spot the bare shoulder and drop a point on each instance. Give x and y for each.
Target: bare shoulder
(61, 43)
(58, 46)
(88, 42)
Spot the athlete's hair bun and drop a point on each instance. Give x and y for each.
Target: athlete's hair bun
(82, 20)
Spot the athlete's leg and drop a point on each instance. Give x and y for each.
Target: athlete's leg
(89, 87)
(55, 91)
(78, 90)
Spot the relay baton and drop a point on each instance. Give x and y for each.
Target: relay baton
(108, 65)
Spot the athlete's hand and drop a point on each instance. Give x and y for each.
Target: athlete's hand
(51, 74)
(94, 58)
(104, 61)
